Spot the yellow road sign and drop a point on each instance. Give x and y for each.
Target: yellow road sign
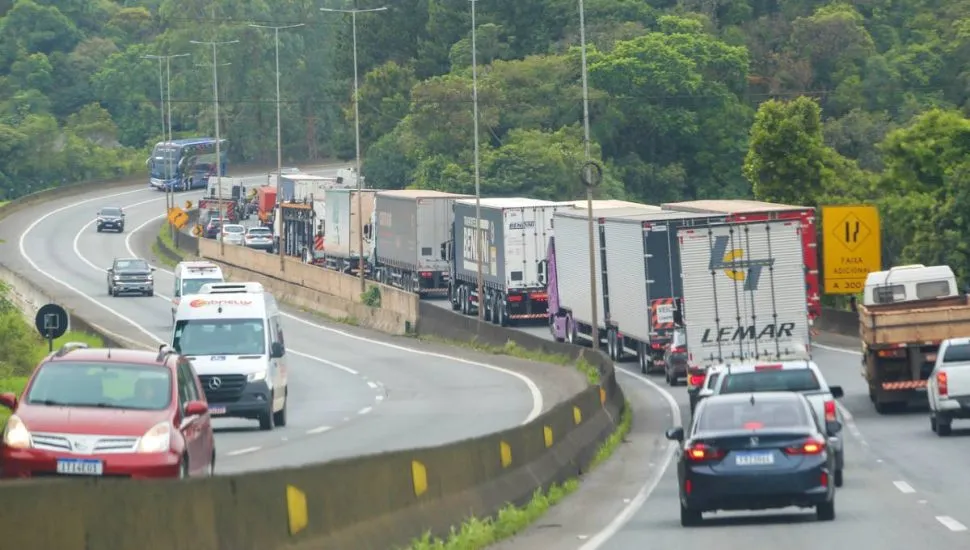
(852, 247)
(178, 217)
(188, 205)
(197, 230)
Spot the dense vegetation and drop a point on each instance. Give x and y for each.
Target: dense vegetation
(792, 100)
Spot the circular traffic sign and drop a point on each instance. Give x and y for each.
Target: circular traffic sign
(51, 321)
(591, 174)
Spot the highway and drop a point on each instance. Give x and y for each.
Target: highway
(905, 487)
(352, 391)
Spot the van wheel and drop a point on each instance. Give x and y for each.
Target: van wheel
(267, 420)
(184, 467)
(279, 418)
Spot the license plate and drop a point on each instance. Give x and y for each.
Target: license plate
(754, 459)
(217, 410)
(80, 467)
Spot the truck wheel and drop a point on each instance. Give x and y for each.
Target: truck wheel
(463, 299)
(452, 297)
(503, 315)
(611, 344)
(642, 359)
(570, 331)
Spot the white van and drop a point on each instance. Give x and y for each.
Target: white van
(190, 277)
(233, 335)
(907, 283)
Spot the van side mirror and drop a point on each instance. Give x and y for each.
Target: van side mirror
(836, 391)
(444, 251)
(675, 434)
(276, 350)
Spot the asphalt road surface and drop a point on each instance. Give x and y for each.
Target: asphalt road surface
(905, 487)
(352, 391)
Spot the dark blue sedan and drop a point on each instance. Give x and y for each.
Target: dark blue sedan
(755, 452)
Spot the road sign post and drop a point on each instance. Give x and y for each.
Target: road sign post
(851, 245)
(51, 322)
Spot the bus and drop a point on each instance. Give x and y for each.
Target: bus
(184, 164)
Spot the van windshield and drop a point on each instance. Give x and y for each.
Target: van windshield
(192, 286)
(220, 337)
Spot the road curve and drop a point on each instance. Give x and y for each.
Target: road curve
(904, 487)
(351, 391)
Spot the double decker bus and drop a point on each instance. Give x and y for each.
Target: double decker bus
(184, 164)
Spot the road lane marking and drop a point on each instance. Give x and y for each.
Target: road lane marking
(318, 430)
(245, 451)
(534, 391)
(365, 410)
(951, 524)
(904, 487)
(652, 482)
(372, 385)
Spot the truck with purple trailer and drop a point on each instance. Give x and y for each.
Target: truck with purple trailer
(638, 282)
(412, 229)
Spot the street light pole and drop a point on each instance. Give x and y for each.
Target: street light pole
(479, 245)
(279, 134)
(215, 104)
(589, 177)
(360, 209)
(161, 109)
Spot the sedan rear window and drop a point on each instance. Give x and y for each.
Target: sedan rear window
(101, 385)
(770, 380)
(957, 354)
(715, 416)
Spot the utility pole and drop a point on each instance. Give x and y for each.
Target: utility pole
(215, 106)
(360, 209)
(279, 134)
(589, 177)
(480, 244)
(161, 110)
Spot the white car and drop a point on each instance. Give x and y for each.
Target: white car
(801, 376)
(233, 233)
(260, 238)
(710, 380)
(948, 388)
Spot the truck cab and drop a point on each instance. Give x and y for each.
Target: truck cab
(907, 283)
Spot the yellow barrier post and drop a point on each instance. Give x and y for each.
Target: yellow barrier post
(547, 435)
(296, 509)
(577, 415)
(506, 450)
(419, 476)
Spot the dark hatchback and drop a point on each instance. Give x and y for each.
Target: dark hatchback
(755, 452)
(675, 357)
(111, 218)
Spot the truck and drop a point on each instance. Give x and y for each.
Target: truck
(224, 193)
(510, 243)
(749, 211)
(265, 204)
(342, 240)
(739, 301)
(906, 314)
(637, 265)
(299, 223)
(412, 229)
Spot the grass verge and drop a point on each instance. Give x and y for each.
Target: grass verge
(13, 382)
(476, 534)
(512, 349)
(166, 237)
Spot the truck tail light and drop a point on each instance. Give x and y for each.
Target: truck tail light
(941, 383)
(830, 411)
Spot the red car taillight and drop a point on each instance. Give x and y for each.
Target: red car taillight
(811, 446)
(699, 452)
(941, 383)
(696, 380)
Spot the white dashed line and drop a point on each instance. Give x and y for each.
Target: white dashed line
(379, 398)
(904, 487)
(951, 524)
(365, 410)
(245, 451)
(372, 385)
(318, 430)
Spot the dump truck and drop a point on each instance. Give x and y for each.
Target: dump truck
(412, 229)
(907, 312)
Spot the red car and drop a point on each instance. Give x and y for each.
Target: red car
(109, 412)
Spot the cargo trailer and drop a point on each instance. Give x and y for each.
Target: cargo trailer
(342, 241)
(739, 301)
(512, 239)
(569, 299)
(412, 230)
(750, 211)
(639, 282)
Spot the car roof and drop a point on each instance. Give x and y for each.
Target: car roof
(800, 364)
(110, 355)
(768, 397)
(131, 260)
